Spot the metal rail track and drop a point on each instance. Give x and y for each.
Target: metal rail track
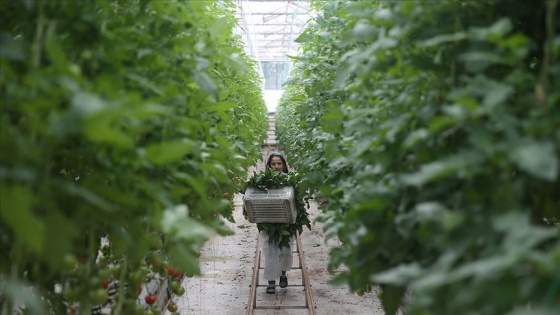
(309, 303)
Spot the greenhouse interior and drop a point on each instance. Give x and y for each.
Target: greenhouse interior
(269, 30)
(174, 157)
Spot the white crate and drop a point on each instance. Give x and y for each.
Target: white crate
(272, 206)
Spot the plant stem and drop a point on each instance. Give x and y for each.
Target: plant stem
(121, 296)
(542, 86)
(38, 45)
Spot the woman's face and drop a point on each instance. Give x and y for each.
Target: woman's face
(276, 164)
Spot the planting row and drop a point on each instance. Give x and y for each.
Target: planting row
(431, 133)
(127, 121)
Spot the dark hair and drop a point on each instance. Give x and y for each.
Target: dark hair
(285, 170)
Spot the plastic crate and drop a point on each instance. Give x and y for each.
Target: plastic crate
(272, 206)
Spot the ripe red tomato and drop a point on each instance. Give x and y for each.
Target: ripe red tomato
(105, 284)
(150, 299)
(170, 271)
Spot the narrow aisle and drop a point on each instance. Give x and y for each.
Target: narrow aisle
(226, 267)
(226, 264)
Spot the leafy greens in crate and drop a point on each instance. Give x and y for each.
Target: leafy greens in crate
(281, 233)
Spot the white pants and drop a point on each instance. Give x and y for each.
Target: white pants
(275, 259)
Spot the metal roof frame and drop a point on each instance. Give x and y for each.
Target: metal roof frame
(269, 27)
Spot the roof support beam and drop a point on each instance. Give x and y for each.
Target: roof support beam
(270, 26)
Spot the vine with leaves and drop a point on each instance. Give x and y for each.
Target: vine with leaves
(131, 121)
(432, 131)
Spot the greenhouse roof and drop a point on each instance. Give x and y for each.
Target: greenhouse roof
(269, 27)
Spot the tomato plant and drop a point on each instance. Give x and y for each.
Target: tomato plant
(121, 124)
(432, 131)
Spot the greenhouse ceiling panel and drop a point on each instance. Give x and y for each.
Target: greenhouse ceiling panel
(269, 27)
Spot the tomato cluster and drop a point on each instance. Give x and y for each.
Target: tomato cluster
(96, 279)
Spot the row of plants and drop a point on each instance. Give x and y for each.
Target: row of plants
(431, 133)
(124, 125)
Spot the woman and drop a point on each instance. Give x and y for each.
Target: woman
(276, 162)
(277, 260)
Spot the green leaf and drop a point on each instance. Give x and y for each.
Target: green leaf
(332, 121)
(487, 58)
(184, 259)
(120, 240)
(452, 220)
(362, 31)
(102, 128)
(440, 39)
(496, 93)
(223, 106)
(54, 48)
(535, 310)
(398, 276)
(76, 190)
(145, 83)
(60, 237)
(216, 170)
(516, 41)
(536, 158)
(16, 211)
(85, 103)
(448, 167)
(429, 211)
(177, 222)
(11, 49)
(497, 30)
(205, 82)
(441, 122)
(521, 236)
(391, 298)
(484, 268)
(304, 38)
(169, 151)
(415, 137)
(197, 185)
(22, 293)
(219, 29)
